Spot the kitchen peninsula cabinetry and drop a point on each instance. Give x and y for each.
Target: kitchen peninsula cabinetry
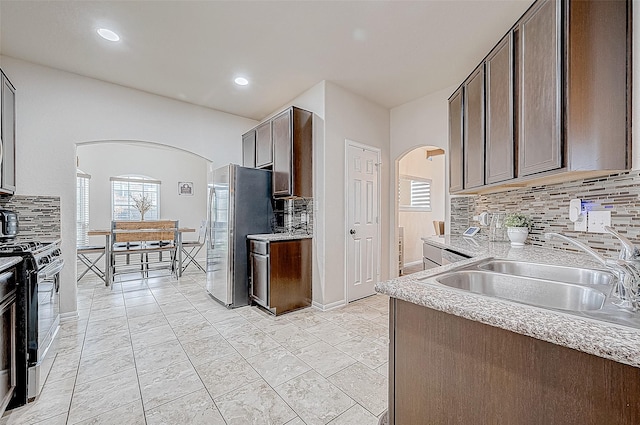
(249, 149)
(557, 98)
(8, 135)
(292, 154)
(280, 277)
(264, 145)
(498, 376)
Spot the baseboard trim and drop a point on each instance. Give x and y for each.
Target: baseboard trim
(330, 306)
(72, 315)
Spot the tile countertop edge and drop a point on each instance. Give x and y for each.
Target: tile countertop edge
(603, 339)
(274, 237)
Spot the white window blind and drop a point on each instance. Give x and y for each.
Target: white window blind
(82, 208)
(123, 191)
(414, 193)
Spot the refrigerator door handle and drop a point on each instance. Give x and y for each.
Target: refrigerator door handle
(212, 213)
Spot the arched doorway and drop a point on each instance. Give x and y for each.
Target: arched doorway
(420, 203)
(108, 166)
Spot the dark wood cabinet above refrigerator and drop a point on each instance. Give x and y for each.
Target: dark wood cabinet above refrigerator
(249, 149)
(284, 144)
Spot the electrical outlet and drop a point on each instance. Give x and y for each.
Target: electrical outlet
(597, 220)
(581, 224)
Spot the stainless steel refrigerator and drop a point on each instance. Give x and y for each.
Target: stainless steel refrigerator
(239, 205)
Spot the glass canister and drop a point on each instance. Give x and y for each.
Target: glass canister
(497, 230)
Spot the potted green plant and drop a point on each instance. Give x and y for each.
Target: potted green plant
(518, 226)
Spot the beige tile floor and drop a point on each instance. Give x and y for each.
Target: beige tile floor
(161, 351)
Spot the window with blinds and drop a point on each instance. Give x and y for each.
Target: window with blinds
(82, 208)
(414, 194)
(124, 191)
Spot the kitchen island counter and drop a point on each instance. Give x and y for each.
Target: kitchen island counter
(603, 339)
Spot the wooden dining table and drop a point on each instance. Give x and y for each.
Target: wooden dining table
(107, 249)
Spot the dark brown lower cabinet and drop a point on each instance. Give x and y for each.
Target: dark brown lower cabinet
(444, 369)
(281, 274)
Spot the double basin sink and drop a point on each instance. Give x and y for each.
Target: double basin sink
(579, 291)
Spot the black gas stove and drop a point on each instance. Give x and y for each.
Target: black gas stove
(38, 308)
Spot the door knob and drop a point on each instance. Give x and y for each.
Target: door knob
(352, 232)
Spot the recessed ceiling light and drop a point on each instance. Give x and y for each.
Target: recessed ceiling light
(241, 81)
(108, 34)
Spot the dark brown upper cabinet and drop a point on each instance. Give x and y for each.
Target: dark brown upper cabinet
(8, 135)
(598, 89)
(264, 145)
(473, 133)
(249, 149)
(293, 153)
(540, 101)
(455, 142)
(557, 96)
(500, 144)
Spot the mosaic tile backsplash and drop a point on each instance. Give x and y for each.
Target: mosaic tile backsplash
(294, 216)
(38, 216)
(548, 206)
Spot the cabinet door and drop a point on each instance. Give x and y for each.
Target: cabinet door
(474, 129)
(539, 79)
(500, 160)
(260, 279)
(455, 141)
(249, 149)
(264, 145)
(282, 154)
(8, 136)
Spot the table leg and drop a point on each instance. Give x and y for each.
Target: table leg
(179, 254)
(107, 261)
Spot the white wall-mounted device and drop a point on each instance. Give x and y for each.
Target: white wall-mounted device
(577, 216)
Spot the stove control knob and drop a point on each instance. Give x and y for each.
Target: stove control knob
(44, 260)
(57, 252)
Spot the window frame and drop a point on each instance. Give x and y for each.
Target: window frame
(82, 207)
(414, 182)
(135, 179)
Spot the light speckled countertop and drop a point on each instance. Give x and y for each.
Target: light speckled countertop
(611, 341)
(274, 237)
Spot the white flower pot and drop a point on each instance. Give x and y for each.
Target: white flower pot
(517, 235)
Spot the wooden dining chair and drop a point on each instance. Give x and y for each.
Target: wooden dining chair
(147, 239)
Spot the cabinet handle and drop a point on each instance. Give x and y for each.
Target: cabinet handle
(352, 232)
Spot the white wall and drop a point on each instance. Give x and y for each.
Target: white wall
(423, 122)
(348, 116)
(168, 165)
(340, 115)
(418, 224)
(56, 110)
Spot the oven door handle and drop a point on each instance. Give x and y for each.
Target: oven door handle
(51, 269)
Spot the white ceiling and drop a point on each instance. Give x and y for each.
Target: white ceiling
(390, 52)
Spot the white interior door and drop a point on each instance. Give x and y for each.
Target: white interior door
(363, 231)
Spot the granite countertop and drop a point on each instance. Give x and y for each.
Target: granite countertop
(274, 237)
(6, 262)
(603, 339)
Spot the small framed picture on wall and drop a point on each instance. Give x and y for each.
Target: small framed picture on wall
(185, 188)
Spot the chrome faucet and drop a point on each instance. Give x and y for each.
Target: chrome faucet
(626, 268)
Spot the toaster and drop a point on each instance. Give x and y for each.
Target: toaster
(8, 224)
